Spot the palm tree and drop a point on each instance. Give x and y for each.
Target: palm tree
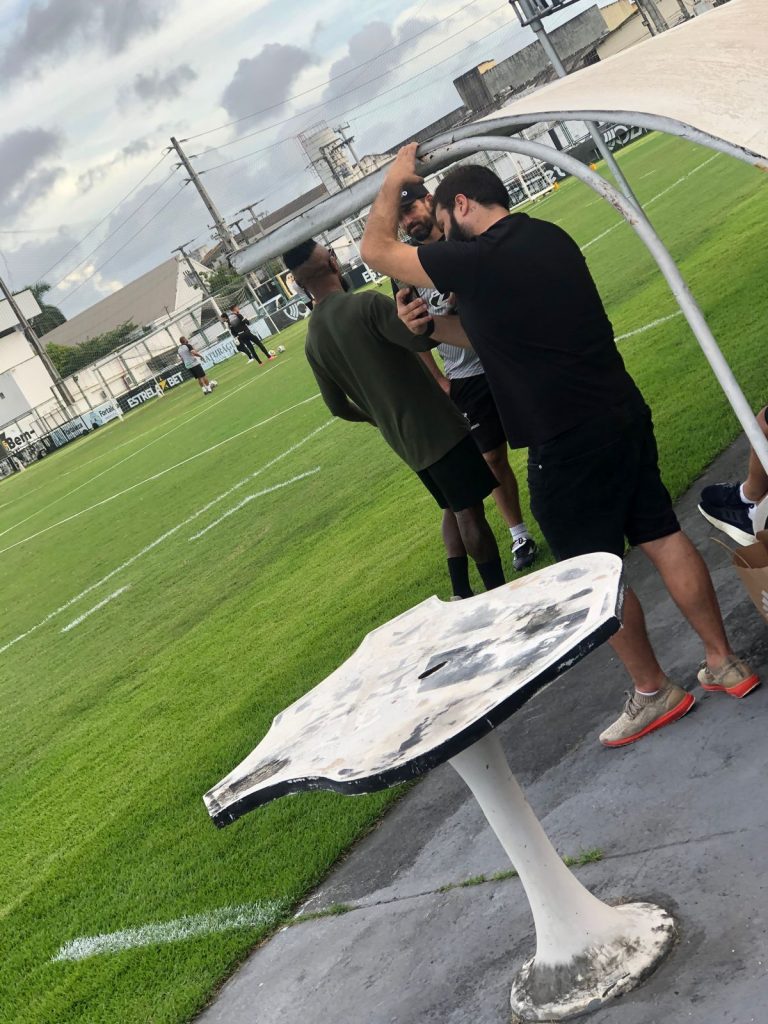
(50, 316)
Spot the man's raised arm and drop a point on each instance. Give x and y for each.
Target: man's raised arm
(380, 247)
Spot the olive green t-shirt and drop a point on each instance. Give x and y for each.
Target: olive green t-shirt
(359, 350)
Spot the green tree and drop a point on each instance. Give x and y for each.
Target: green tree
(226, 285)
(70, 358)
(50, 316)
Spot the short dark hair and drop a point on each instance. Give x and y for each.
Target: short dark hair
(474, 182)
(299, 254)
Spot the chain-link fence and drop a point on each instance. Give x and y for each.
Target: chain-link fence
(144, 368)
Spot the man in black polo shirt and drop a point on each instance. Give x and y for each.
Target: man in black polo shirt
(533, 315)
(365, 365)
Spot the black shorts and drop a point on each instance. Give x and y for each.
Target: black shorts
(197, 371)
(473, 398)
(461, 479)
(599, 483)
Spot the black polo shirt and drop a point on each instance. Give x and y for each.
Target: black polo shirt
(534, 316)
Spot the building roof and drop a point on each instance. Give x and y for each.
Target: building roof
(709, 73)
(269, 221)
(143, 301)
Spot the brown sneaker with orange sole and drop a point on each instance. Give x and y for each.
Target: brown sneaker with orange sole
(643, 714)
(734, 677)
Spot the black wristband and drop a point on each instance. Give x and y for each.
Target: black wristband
(430, 329)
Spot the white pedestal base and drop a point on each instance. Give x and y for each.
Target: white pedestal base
(586, 951)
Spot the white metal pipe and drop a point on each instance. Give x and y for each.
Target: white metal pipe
(332, 210)
(568, 918)
(587, 952)
(509, 123)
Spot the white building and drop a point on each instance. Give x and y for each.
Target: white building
(24, 378)
(149, 301)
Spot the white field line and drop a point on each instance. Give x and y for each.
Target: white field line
(155, 476)
(96, 607)
(658, 195)
(163, 537)
(250, 497)
(250, 915)
(137, 451)
(649, 326)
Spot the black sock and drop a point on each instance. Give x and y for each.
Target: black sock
(458, 570)
(491, 573)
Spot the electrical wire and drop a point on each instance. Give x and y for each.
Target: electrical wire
(346, 110)
(124, 245)
(104, 218)
(328, 81)
(115, 230)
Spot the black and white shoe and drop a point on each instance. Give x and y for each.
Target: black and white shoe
(721, 505)
(524, 553)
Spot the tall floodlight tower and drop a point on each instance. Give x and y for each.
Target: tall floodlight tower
(529, 14)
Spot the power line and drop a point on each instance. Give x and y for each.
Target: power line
(104, 218)
(328, 81)
(346, 110)
(123, 246)
(119, 226)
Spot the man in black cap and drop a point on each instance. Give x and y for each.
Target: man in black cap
(535, 317)
(463, 380)
(364, 361)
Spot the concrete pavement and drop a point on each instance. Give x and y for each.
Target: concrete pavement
(681, 818)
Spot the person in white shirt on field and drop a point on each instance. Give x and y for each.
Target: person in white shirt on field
(193, 362)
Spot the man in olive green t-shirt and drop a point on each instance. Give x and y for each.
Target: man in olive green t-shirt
(364, 361)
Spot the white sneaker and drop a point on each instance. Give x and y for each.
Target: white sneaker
(206, 391)
(214, 384)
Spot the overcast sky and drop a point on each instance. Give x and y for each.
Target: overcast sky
(93, 89)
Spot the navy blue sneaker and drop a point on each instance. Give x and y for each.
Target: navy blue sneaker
(524, 551)
(722, 506)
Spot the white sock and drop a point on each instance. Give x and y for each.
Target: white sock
(744, 498)
(641, 693)
(519, 532)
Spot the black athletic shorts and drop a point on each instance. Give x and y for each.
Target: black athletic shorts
(599, 483)
(197, 371)
(474, 399)
(461, 479)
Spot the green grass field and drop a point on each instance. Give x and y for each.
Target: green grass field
(113, 728)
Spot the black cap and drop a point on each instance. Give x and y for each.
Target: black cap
(410, 193)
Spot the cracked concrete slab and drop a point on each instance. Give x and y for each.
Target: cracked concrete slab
(681, 818)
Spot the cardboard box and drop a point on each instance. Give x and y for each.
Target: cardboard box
(751, 563)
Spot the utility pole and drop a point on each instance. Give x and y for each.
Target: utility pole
(348, 140)
(225, 234)
(250, 208)
(654, 15)
(684, 8)
(200, 282)
(221, 226)
(37, 347)
(529, 13)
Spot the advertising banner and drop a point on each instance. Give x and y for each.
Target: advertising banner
(102, 414)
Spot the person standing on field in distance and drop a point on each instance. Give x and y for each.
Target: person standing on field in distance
(244, 344)
(238, 325)
(365, 365)
(465, 384)
(193, 361)
(534, 316)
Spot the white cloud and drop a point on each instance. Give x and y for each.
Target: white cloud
(75, 89)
